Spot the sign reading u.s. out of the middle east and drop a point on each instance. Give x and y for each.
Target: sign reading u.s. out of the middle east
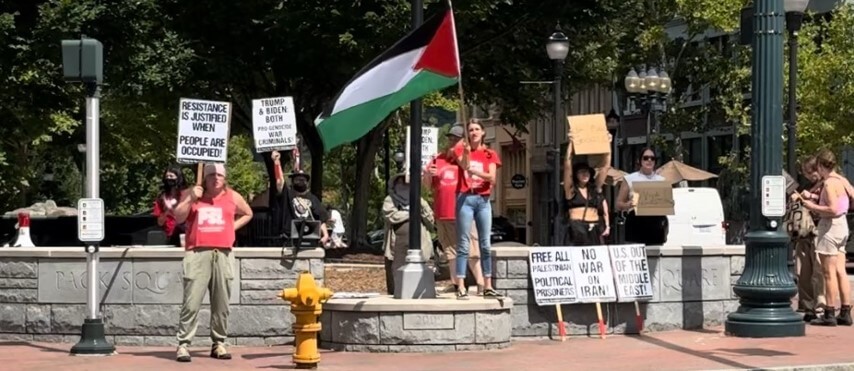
(631, 272)
(551, 275)
(274, 124)
(203, 128)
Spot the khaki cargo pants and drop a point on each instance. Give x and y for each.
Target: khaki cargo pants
(206, 268)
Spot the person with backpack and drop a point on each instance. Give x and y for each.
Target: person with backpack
(800, 225)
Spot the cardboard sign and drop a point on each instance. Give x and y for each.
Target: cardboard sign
(203, 128)
(551, 275)
(653, 198)
(631, 272)
(429, 145)
(589, 134)
(274, 124)
(594, 279)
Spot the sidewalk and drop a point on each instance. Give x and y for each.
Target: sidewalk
(675, 350)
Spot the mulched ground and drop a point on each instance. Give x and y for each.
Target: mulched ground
(360, 279)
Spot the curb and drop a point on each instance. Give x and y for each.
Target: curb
(826, 367)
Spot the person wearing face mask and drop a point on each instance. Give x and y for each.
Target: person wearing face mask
(396, 216)
(164, 205)
(297, 202)
(648, 230)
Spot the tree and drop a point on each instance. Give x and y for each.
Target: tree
(825, 86)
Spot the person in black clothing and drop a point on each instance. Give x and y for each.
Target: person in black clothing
(297, 202)
(587, 214)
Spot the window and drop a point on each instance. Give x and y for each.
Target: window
(693, 152)
(512, 162)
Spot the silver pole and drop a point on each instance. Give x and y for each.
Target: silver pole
(93, 172)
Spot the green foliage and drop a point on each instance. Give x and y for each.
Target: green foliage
(245, 175)
(825, 87)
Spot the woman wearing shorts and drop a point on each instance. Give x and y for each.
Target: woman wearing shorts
(831, 237)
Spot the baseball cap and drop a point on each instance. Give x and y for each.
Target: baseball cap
(301, 173)
(456, 131)
(214, 169)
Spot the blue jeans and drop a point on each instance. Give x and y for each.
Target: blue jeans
(476, 209)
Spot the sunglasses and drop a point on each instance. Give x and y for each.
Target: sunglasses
(648, 158)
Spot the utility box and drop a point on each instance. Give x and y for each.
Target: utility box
(83, 61)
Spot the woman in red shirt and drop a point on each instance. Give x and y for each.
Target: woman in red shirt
(164, 205)
(478, 168)
(213, 213)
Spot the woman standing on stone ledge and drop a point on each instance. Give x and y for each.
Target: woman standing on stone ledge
(213, 213)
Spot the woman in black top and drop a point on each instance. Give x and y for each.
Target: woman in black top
(585, 200)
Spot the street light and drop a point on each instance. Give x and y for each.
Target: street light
(399, 158)
(557, 48)
(766, 287)
(650, 88)
(794, 18)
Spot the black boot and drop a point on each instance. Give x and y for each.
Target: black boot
(809, 315)
(828, 319)
(844, 318)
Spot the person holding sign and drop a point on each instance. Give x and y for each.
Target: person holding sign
(297, 201)
(831, 238)
(648, 230)
(213, 213)
(442, 176)
(588, 221)
(478, 168)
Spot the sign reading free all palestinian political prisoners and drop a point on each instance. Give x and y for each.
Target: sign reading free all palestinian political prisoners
(631, 269)
(274, 124)
(552, 276)
(203, 128)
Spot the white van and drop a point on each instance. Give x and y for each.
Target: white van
(698, 219)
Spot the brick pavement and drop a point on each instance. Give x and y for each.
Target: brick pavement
(674, 350)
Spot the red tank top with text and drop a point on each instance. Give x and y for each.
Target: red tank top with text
(211, 222)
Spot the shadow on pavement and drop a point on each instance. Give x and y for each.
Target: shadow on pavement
(755, 352)
(695, 353)
(32, 345)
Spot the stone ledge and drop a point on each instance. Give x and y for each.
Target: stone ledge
(413, 348)
(443, 303)
(521, 252)
(143, 252)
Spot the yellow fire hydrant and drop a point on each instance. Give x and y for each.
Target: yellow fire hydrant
(306, 305)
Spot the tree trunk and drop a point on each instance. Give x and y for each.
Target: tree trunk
(366, 152)
(312, 140)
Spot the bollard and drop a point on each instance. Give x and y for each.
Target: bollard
(306, 305)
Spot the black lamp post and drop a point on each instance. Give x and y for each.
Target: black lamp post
(765, 288)
(557, 48)
(794, 17)
(650, 88)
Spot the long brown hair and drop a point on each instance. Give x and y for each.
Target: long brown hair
(826, 159)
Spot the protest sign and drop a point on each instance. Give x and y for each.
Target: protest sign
(631, 271)
(551, 275)
(203, 128)
(589, 134)
(594, 279)
(429, 144)
(654, 198)
(274, 124)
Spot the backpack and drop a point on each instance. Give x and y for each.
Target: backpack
(798, 221)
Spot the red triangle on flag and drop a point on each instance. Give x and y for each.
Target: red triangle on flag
(440, 56)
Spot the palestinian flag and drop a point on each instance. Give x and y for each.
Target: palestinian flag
(424, 61)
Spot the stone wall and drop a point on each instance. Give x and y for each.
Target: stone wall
(691, 290)
(43, 294)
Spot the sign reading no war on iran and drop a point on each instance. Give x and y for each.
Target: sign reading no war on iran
(274, 123)
(203, 128)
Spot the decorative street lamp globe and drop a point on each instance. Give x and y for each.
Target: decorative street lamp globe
(795, 6)
(558, 45)
(642, 87)
(632, 82)
(651, 79)
(664, 82)
(399, 157)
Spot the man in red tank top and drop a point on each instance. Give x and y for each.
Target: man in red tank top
(213, 213)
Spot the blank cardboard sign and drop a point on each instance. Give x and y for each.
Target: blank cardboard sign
(589, 134)
(654, 198)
